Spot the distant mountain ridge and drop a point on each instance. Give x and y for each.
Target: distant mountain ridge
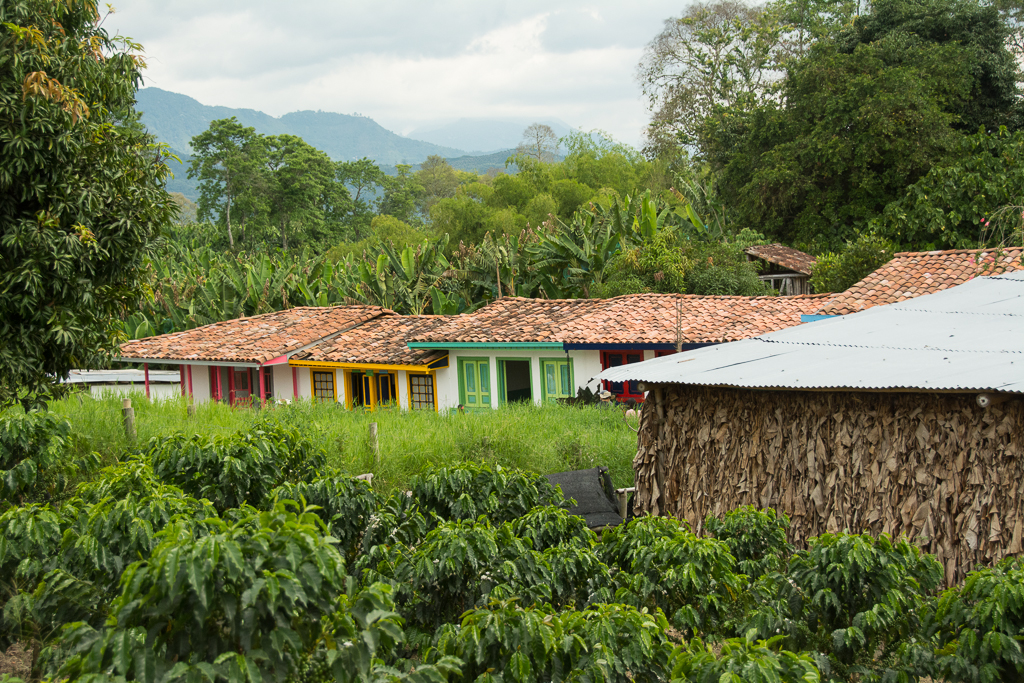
(176, 119)
(483, 136)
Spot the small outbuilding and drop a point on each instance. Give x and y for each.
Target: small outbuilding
(786, 269)
(903, 419)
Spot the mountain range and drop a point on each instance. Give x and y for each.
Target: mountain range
(174, 119)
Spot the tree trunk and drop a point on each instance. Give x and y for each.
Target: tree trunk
(231, 240)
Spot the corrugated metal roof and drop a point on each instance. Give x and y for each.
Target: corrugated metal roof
(967, 338)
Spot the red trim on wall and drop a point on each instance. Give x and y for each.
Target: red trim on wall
(145, 368)
(295, 382)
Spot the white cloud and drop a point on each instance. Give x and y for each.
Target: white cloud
(404, 63)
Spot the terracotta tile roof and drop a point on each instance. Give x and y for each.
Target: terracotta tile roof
(784, 256)
(911, 274)
(630, 319)
(251, 340)
(381, 341)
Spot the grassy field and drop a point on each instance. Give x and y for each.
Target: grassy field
(548, 439)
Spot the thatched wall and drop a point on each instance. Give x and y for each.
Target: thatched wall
(934, 467)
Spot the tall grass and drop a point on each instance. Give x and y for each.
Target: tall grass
(548, 439)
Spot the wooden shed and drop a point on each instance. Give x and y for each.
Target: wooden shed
(904, 419)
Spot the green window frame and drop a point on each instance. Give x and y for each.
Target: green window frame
(501, 377)
(557, 379)
(475, 383)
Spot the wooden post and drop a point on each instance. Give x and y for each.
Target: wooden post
(375, 444)
(263, 397)
(145, 369)
(191, 410)
(129, 419)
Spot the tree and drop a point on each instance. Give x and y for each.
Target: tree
(400, 192)
(81, 193)
(364, 181)
(863, 116)
(300, 179)
(717, 54)
(226, 160)
(439, 180)
(539, 142)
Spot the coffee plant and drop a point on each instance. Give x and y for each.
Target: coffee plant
(470, 490)
(39, 457)
(245, 558)
(756, 538)
(242, 468)
(854, 601)
(345, 505)
(983, 626)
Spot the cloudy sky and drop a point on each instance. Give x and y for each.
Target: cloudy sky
(405, 63)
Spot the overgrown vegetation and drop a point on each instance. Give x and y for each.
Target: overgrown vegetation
(476, 573)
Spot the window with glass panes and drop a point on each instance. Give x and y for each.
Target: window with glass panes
(475, 383)
(556, 378)
(422, 388)
(323, 386)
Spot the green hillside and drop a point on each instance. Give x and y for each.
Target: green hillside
(175, 119)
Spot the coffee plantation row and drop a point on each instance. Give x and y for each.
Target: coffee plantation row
(248, 558)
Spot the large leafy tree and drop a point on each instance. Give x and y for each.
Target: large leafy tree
(863, 116)
(81, 192)
(227, 161)
(303, 195)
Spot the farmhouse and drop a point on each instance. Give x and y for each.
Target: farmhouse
(904, 419)
(536, 350)
(246, 359)
(514, 349)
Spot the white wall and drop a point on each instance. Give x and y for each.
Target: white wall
(200, 383)
(157, 392)
(585, 365)
(283, 390)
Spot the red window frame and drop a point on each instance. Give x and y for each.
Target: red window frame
(622, 390)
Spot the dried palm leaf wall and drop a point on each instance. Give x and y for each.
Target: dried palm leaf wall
(933, 467)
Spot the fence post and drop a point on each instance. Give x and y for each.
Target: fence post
(129, 419)
(374, 444)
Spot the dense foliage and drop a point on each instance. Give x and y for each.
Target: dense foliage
(81, 193)
(193, 560)
(822, 122)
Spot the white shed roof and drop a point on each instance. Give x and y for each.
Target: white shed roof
(966, 338)
(128, 376)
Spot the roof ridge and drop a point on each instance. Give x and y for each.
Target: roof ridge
(947, 252)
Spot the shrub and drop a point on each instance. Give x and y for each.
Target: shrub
(853, 600)
(454, 568)
(38, 457)
(982, 625)
(604, 643)
(235, 470)
(549, 526)
(689, 578)
(838, 272)
(756, 538)
(470, 490)
(244, 602)
(742, 659)
(619, 545)
(346, 506)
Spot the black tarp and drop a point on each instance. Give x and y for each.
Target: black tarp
(592, 490)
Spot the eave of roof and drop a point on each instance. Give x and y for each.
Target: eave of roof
(967, 338)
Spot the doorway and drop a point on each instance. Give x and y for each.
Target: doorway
(516, 384)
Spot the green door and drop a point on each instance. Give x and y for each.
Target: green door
(557, 379)
(475, 382)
